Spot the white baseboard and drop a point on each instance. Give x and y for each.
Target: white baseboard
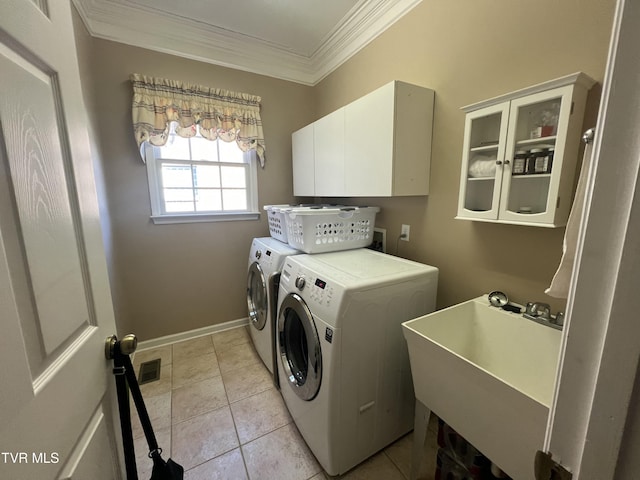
(188, 335)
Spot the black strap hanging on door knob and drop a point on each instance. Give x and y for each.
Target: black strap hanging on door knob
(123, 370)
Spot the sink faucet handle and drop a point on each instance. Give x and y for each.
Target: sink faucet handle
(542, 310)
(528, 309)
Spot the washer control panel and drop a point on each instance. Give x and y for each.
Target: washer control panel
(265, 258)
(321, 292)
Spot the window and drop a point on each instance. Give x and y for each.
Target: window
(194, 179)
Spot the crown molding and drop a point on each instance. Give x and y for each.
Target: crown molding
(362, 27)
(145, 28)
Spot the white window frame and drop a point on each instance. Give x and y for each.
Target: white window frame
(160, 216)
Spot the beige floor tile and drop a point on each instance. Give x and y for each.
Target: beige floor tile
(203, 438)
(230, 338)
(244, 382)
(192, 348)
(195, 369)
(259, 414)
(400, 454)
(197, 398)
(378, 467)
(205, 374)
(160, 386)
(143, 463)
(229, 466)
(163, 353)
(293, 462)
(433, 423)
(240, 356)
(158, 409)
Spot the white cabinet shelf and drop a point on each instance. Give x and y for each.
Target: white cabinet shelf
(376, 146)
(484, 148)
(520, 152)
(481, 179)
(536, 141)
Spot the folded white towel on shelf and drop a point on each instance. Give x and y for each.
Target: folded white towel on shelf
(559, 287)
(482, 166)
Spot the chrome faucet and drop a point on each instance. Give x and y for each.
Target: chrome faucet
(541, 312)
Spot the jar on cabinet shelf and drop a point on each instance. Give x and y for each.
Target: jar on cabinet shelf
(534, 168)
(532, 160)
(520, 162)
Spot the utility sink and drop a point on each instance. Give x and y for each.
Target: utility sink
(490, 375)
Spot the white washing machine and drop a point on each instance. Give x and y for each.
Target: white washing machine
(266, 259)
(344, 366)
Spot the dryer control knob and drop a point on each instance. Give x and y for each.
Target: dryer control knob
(258, 254)
(300, 282)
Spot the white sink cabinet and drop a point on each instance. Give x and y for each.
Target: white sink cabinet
(546, 117)
(376, 146)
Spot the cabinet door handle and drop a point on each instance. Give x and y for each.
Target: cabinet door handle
(498, 162)
(507, 162)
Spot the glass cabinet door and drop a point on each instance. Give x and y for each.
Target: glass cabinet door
(537, 130)
(483, 162)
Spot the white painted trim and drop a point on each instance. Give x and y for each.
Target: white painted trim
(153, 30)
(362, 27)
(204, 218)
(159, 32)
(191, 334)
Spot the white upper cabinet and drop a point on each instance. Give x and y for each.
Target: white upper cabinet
(328, 147)
(303, 168)
(520, 153)
(377, 146)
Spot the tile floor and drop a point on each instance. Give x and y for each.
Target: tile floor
(216, 412)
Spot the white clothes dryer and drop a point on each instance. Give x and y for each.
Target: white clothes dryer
(266, 259)
(344, 366)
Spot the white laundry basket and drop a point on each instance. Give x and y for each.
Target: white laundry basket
(277, 223)
(329, 229)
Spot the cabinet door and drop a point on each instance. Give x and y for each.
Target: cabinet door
(485, 136)
(369, 124)
(329, 154)
(537, 122)
(303, 162)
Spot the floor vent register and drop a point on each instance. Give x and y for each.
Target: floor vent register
(149, 371)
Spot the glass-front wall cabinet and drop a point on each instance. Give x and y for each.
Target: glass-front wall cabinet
(486, 130)
(520, 153)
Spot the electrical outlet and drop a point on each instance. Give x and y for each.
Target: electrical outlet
(405, 232)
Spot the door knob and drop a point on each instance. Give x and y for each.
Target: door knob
(127, 345)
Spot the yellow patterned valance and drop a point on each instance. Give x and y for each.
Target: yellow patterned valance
(215, 113)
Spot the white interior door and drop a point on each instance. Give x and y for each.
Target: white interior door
(55, 304)
(594, 422)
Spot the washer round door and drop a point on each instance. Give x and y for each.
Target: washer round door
(257, 299)
(300, 350)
